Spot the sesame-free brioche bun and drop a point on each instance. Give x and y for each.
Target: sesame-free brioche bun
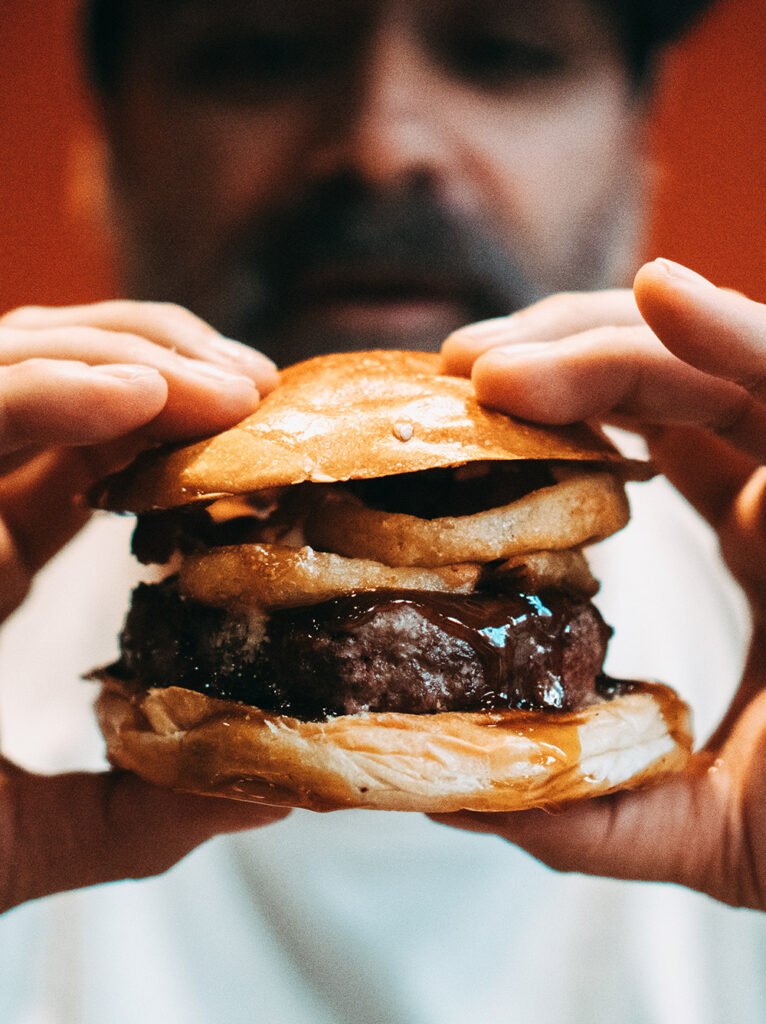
(355, 415)
(481, 761)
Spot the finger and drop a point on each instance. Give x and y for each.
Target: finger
(44, 402)
(673, 832)
(41, 505)
(202, 398)
(15, 460)
(551, 319)
(617, 371)
(163, 323)
(15, 575)
(743, 727)
(717, 330)
(52, 402)
(75, 830)
(708, 471)
(728, 488)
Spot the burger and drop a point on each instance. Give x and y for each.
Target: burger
(374, 594)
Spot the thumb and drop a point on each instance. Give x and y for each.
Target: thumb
(664, 834)
(716, 330)
(69, 831)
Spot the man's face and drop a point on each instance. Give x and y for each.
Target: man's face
(316, 175)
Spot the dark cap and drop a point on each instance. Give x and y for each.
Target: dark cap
(645, 27)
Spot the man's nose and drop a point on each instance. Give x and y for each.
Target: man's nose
(389, 129)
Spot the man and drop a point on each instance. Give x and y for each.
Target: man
(318, 176)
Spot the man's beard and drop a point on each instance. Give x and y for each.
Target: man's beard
(271, 284)
(272, 281)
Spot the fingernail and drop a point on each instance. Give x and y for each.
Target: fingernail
(238, 352)
(130, 372)
(682, 273)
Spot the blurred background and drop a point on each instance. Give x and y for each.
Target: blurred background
(708, 139)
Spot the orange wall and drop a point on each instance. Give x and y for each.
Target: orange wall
(710, 134)
(48, 254)
(709, 139)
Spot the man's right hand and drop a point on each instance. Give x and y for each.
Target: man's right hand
(83, 389)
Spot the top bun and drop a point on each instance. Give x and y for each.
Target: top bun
(349, 416)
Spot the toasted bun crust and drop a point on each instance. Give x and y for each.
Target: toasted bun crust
(354, 415)
(494, 761)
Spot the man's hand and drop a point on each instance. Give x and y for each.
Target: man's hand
(684, 363)
(81, 391)
(68, 831)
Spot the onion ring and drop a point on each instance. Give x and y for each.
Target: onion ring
(585, 508)
(275, 576)
(543, 569)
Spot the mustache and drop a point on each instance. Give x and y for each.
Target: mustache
(343, 233)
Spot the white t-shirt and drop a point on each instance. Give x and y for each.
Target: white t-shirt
(375, 918)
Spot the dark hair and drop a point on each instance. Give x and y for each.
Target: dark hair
(104, 38)
(645, 26)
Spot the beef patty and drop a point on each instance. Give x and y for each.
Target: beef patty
(406, 651)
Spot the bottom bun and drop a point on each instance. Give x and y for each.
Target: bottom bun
(480, 761)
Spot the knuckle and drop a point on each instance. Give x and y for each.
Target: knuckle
(13, 378)
(21, 315)
(566, 303)
(627, 341)
(24, 368)
(554, 304)
(554, 313)
(732, 419)
(96, 344)
(583, 307)
(111, 308)
(179, 316)
(754, 383)
(70, 337)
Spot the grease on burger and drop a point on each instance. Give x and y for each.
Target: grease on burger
(376, 596)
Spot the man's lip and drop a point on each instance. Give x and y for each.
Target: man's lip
(380, 284)
(359, 302)
(405, 316)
